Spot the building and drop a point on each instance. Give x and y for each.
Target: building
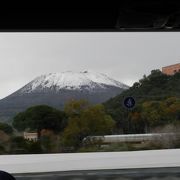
(31, 136)
(172, 69)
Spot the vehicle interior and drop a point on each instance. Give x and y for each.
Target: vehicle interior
(91, 93)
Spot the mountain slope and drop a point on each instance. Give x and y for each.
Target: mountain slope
(156, 87)
(157, 99)
(55, 89)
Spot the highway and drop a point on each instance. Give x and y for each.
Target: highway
(126, 174)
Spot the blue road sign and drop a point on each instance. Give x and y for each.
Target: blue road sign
(129, 102)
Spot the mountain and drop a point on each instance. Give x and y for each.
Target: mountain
(55, 89)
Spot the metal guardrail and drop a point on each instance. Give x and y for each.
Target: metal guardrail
(129, 137)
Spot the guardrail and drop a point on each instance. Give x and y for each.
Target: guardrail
(130, 137)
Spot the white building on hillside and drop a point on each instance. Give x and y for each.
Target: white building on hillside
(32, 136)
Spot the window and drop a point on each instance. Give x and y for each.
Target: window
(65, 87)
(66, 79)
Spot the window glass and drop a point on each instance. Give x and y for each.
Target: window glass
(89, 92)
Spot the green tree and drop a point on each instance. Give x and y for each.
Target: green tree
(75, 107)
(4, 142)
(40, 117)
(20, 145)
(49, 141)
(6, 128)
(91, 121)
(34, 147)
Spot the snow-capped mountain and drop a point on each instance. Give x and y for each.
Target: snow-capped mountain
(71, 81)
(55, 89)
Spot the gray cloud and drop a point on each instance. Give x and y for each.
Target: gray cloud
(122, 56)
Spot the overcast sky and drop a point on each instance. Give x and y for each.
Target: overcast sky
(125, 57)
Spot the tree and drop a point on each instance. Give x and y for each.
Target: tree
(91, 121)
(75, 107)
(20, 145)
(97, 121)
(6, 128)
(49, 141)
(40, 117)
(4, 142)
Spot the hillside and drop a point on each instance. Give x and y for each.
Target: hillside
(152, 91)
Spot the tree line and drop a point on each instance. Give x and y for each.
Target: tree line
(58, 130)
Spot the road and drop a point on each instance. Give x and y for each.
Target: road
(127, 174)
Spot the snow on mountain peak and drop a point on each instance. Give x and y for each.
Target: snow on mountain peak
(71, 80)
